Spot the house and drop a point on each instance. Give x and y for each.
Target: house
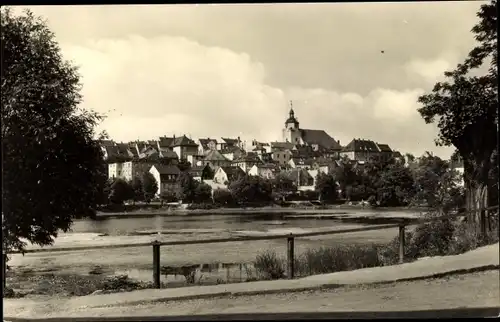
(361, 150)
(215, 159)
(282, 157)
(283, 146)
(200, 173)
(301, 163)
(319, 140)
(205, 145)
(385, 151)
(165, 176)
(184, 147)
(324, 165)
(226, 174)
(135, 168)
(266, 171)
(261, 147)
(301, 178)
(314, 175)
(232, 152)
(246, 161)
(227, 142)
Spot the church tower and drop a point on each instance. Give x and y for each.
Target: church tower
(291, 132)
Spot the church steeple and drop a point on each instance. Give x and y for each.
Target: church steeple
(291, 117)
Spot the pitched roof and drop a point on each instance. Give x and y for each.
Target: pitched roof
(282, 145)
(232, 172)
(204, 142)
(168, 154)
(167, 169)
(105, 143)
(294, 173)
(165, 141)
(214, 155)
(307, 162)
(384, 148)
(231, 149)
(320, 138)
(248, 157)
(229, 141)
(361, 145)
(197, 170)
(184, 141)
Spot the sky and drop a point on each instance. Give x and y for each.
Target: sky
(231, 70)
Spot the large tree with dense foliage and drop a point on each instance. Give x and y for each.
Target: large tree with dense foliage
(51, 163)
(465, 108)
(248, 189)
(149, 186)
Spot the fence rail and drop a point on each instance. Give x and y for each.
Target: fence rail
(289, 237)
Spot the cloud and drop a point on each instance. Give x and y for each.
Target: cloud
(173, 85)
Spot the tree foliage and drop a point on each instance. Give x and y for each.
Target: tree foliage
(326, 187)
(202, 193)
(52, 166)
(223, 197)
(465, 107)
(250, 189)
(121, 191)
(282, 184)
(137, 189)
(186, 187)
(149, 186)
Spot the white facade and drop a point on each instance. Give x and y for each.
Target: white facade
(262, 172)
(115, 170)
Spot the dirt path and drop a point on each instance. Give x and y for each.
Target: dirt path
(460, 291)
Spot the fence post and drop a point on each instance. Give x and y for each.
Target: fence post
(401, 244)
(156, 264)
(482, 223)
(4, 270)
(290, 257)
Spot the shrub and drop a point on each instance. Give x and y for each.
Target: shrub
(222, 197)
(269, 266)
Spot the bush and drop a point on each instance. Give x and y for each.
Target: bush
(269, 266)
(439, 238)
(222, 197)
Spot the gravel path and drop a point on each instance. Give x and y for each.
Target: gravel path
(460, 291)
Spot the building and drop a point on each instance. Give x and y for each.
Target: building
(301, 163)
(225, 175)
(215, 159)
(266, 171)
(360, 150)
(165, 176)
(318, 140)
(200, 173)
(232, 152)
(301, 179)
(247, 161)
(206, 145)
(226, 143)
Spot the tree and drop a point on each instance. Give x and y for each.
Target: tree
(207, 174)
(51, 163)
(149, 186)
(282, 184)
(251, 189)
(346, 177)
(436, 184)
(327, 187)
(222, 197)
(120, 191)
(395, 186)
(186, 187)
(138, 192)
(202, 193)
(465, 108)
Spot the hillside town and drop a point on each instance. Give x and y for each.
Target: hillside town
(300, 154)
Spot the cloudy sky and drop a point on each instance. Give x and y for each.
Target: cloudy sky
(230, 70)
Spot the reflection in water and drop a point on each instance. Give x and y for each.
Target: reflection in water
(214, 273)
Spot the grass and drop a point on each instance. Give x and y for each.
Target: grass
(71, 285)
(438, 238)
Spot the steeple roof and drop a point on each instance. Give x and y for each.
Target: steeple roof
(291, 116)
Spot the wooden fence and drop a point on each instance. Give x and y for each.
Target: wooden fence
(289, 237)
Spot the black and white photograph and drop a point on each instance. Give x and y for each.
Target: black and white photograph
(250, 161)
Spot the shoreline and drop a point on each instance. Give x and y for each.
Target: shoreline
(334, 210)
